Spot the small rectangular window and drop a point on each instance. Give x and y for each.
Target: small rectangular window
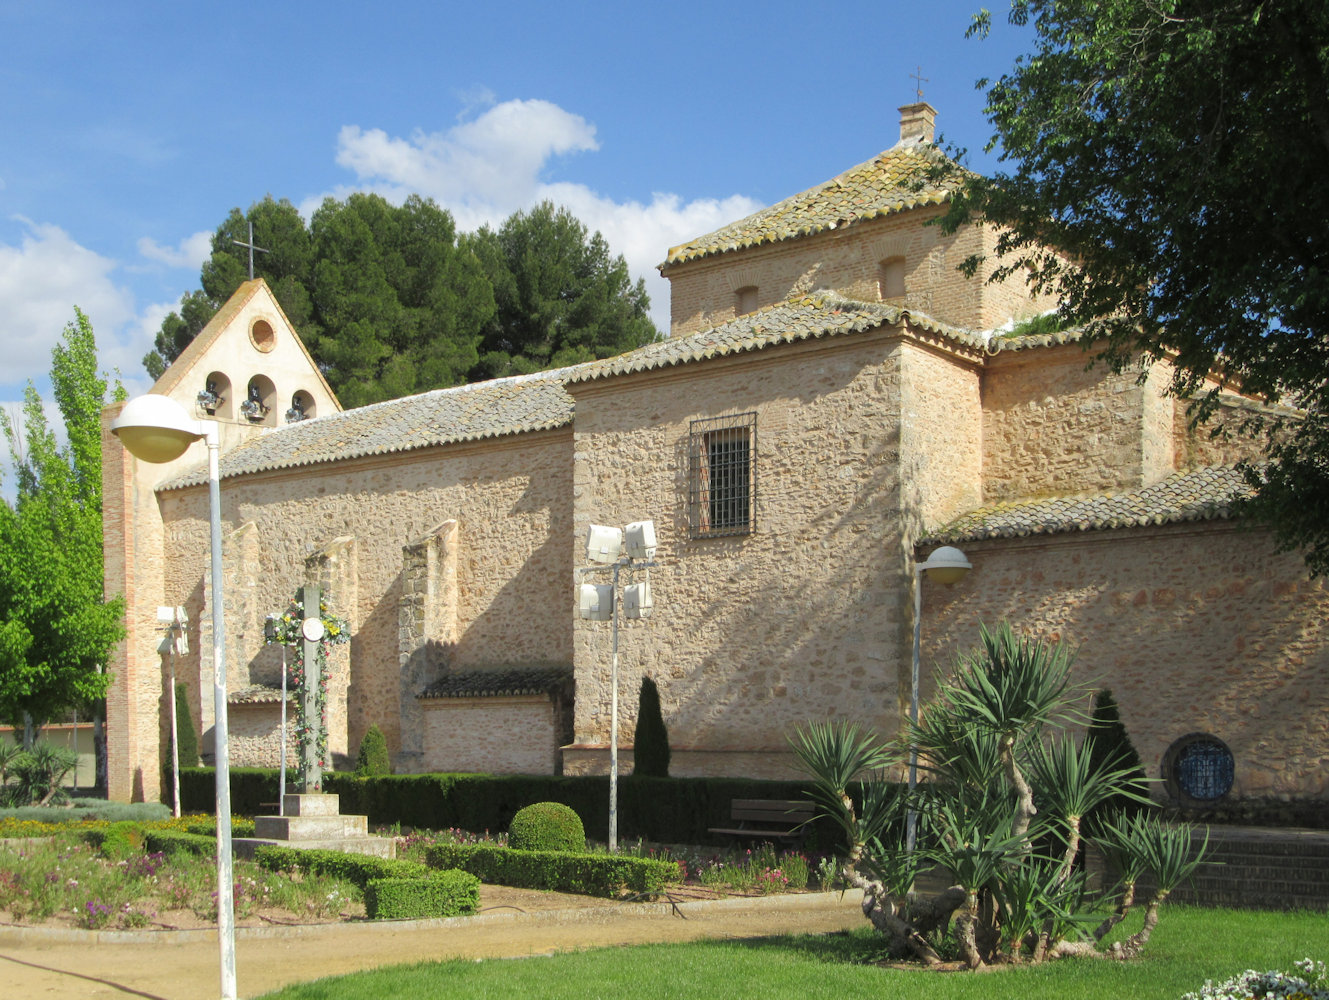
(722, 485)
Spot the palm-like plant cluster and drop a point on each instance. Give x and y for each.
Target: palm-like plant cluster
(1000, 815)
(33, 777)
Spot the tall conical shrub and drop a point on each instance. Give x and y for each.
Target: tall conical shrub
(650, 753)
(373, 758)
(1109, 745)
(186, 735)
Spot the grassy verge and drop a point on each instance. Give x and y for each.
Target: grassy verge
(1190, 946)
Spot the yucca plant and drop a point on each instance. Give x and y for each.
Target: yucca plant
(1001, 811)
(1011, 687)
(1162, 850)
(1070, 783)
(834, 754)
(974, 840)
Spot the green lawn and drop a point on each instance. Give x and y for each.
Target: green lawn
(1190, 945)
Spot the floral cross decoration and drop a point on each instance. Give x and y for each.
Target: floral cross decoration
(311, 727)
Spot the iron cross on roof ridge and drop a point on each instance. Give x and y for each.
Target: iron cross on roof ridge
(252, 248)
(917, 76)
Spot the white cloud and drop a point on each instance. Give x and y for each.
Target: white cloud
(484, 170)
(190, 253)
(41, 281)
(495, 159)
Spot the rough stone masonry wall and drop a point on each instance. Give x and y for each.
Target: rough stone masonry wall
(506, 735)
(1051, 426)
(1194, 628)
(703, 292)
(511, 498)
(799, 620)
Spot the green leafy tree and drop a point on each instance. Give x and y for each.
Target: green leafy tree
(56, 627)
(1167, 183)
(561, 297)
(650, 748)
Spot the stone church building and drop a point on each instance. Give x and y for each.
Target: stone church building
(833, 401)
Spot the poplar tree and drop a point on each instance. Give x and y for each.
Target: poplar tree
(56, 626)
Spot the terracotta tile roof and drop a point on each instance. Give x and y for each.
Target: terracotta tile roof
(1195, 495)
(525, 403)
(256, 694)
(444, 416)
(500, 683)
(892, 181)
(821, 314)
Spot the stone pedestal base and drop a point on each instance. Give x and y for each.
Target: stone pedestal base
(315, 821)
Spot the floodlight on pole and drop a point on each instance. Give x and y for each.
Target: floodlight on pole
(947, 565)
(156, 429)
(616, 549)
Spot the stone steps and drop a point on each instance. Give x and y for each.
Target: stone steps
(314, 822)
(1259, 868)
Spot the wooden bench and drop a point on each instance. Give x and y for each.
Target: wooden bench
(768, 819)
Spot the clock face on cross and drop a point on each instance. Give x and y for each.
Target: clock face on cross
(312, 629)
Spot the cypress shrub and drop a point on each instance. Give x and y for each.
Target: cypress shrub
(547, 826)
(650, 750)
(185, 734)
(1110, 746)
(373, 760)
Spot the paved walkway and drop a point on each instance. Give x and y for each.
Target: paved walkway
(184, 965)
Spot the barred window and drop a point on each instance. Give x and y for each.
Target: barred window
(722, 486)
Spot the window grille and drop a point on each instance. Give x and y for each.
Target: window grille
(722, 485)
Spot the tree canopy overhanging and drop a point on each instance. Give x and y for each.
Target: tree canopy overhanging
(1166, 181)
(391, 300)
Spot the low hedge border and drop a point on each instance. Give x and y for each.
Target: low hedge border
(664, 810)
(173, 842)
(355, 868)
(442, 894)
(393, 887)
(588, 874)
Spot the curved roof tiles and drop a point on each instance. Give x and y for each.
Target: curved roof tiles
(1195, 495)
(903, 177)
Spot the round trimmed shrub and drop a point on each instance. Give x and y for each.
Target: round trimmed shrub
(547, 826)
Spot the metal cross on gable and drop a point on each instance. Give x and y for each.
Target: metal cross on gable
(917, 76)
(252, 248)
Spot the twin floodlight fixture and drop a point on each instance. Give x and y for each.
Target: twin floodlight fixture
(608, 547)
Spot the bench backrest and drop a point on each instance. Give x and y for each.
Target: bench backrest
(787, 812)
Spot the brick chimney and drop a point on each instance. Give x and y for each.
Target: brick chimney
(917, 122)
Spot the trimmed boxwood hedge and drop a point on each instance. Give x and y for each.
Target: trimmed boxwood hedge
(589, 874)
(664, 810)
(356, 868)
(440, 894)
(171, 842)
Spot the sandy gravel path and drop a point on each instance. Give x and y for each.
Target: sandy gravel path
(183, 965)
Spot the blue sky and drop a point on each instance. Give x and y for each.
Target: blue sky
(131, 129)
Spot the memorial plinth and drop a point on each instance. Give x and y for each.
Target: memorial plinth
(315, 821)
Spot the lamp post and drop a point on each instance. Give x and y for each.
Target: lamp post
(616, 549)
(157, 429)
(947, 565)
